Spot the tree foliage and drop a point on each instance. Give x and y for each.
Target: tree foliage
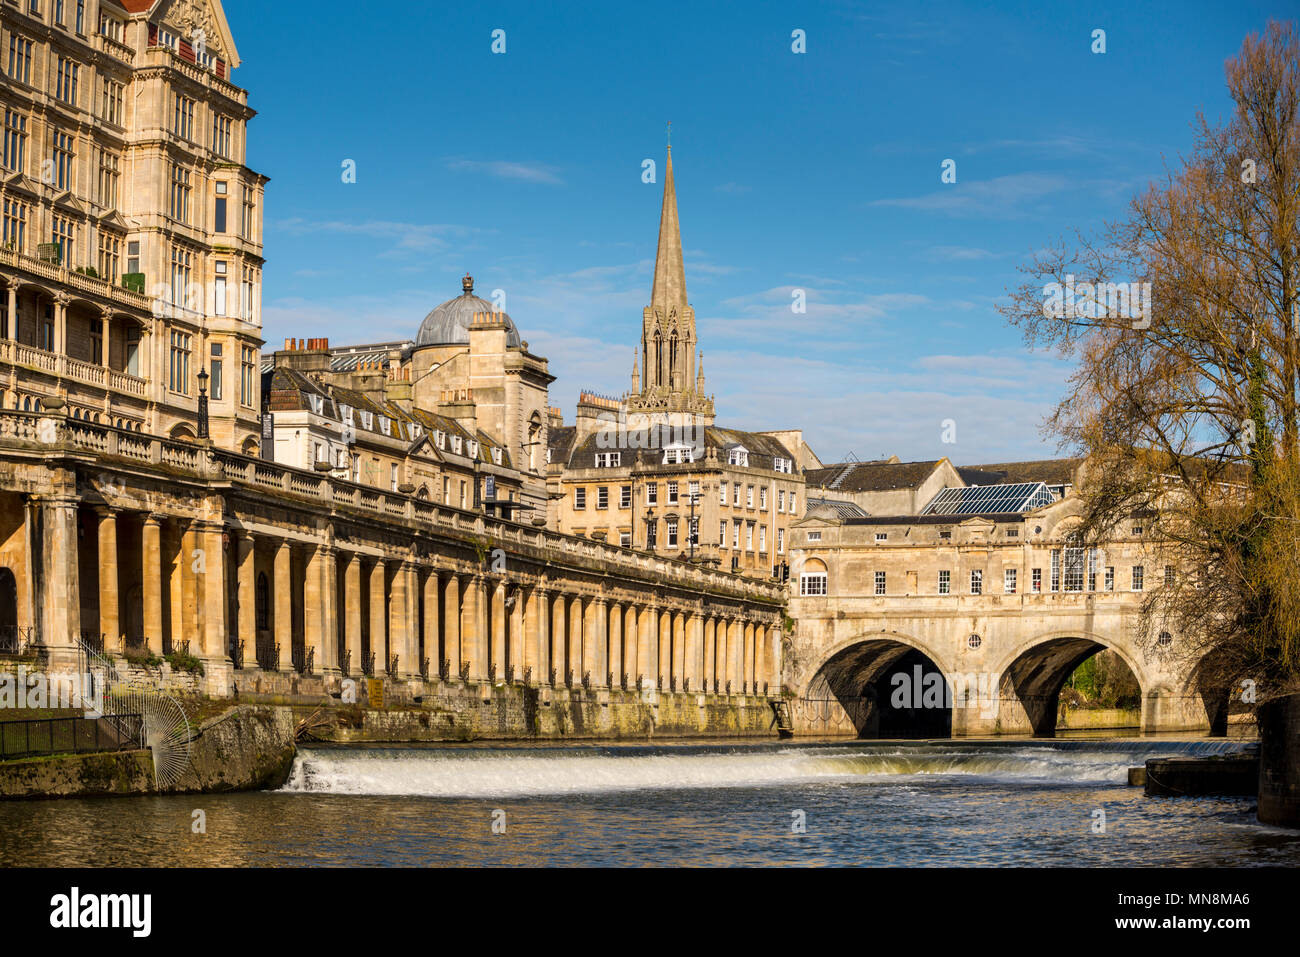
(1188, 414)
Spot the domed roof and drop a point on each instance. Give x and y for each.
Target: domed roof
(448, 324)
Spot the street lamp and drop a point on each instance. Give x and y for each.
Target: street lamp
(203, 403)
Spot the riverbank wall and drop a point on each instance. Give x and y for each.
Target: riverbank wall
(245, 748)
(376, 711)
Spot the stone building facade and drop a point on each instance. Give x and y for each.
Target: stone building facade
(131, 250)
(652, 470)
(984, 582)
(124, 542)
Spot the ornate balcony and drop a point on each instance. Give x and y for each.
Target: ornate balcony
(89, 285)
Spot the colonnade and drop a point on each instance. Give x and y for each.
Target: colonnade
(282, 602)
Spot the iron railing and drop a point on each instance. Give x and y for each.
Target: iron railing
(14, 640)
(303, 660)
(268, 654)
(34, 737)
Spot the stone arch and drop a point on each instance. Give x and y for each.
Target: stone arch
(182, 432)
(249, 447)
(843, 693)
(1033, 672)
(1211, 681)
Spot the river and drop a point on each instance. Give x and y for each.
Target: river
(999, 802)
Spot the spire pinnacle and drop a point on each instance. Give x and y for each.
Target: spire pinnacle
(670, 275)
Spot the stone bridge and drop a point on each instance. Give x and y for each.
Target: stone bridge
(1004, 660)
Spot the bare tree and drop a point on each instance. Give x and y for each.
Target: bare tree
(1184, 395)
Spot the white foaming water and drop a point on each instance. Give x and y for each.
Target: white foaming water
(509, 772)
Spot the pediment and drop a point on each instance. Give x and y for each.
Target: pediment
(113, 220)
(67, 201)
(21, 182)
(194, 19)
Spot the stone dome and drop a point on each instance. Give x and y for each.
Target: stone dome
(448, 324)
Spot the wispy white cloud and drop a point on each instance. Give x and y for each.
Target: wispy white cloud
(1004, 196)
(504, 169)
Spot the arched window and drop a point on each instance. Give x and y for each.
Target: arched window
(813, 579)
(263, 601)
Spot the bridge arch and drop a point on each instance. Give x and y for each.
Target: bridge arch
(848, 692)
(1035, 670)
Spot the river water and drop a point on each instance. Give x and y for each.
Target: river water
(1002, 802)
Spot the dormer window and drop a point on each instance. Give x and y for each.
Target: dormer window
(678, 455)
(496, 456)
(456, 442)
(345, 414)
(317, 402)
(605, 460)
(739, 455)
(780, 464)
(416, 430)
(473, 448)
(440, 438)
(385, 425)
(368, 421)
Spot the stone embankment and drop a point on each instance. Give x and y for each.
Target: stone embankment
(245, 748)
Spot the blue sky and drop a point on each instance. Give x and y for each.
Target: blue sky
(819, 171)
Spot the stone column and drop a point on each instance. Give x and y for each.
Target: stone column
(432, 614)
(500, 626)
(775, 650)
(313, 625)
(647, 643)
(211, 586)
(105, 325)
(594, 655)
(110, 613)
(576, 659)
(379, 616)
(536, 644)
(411, 608)
(451, 624)
(61, 598)
(474, 638)
(283, 630)
(664, 631)
(730, 671)
(559, 663)
(397, 620)
(515, 638)
(329, 610)
(710, 652)
(631, 645)
(11, 327)
(694, 651)
(151, 580)
(616, 644)
(679, 649)
(352, 613)
(61, 328)
(246, 559)
(747, 675)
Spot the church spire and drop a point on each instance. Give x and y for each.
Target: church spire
(668, 342)
(669, 291)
